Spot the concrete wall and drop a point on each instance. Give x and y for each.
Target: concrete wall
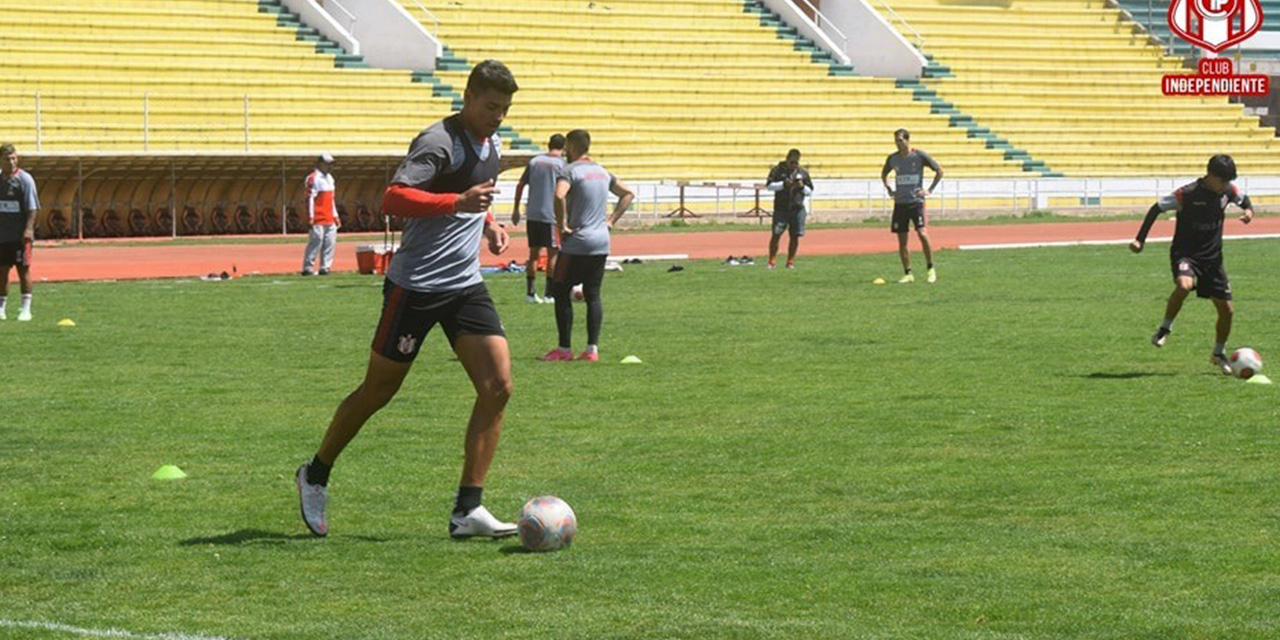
(875, 47)
(391, 38)
(314, 16)
(828, 39)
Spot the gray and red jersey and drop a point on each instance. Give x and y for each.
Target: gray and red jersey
(909, 174)
(541, 174)
(442, 253)
(18, 198)
(588, 208)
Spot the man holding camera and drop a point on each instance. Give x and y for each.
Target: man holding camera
(791, 184)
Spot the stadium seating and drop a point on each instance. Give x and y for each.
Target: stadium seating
(692, 89)
(1072, 83)
(130, 75)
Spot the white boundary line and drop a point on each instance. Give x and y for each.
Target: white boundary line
(100, 633)
(1085, 243)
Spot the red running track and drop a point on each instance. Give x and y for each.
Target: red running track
(110, 260)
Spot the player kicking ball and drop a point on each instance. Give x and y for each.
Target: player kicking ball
(444, 188)
(1196, 254)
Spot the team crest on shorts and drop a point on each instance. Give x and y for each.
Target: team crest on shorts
(407, 343)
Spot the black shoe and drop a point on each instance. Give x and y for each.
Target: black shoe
(324, 272)
(307, 272)
(1160, 336)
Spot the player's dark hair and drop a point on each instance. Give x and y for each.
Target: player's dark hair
(1223, 167)
(794, 153)
(6, 149)
(491, 74)
(556, 142)
(580, 139)
(903, 133)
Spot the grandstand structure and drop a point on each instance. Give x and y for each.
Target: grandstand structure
(202, 116)
(1073, 83)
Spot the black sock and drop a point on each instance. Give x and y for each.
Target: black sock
(318, 472)
(908, 271)
(468, 499)
(528, 284)
(929, 266)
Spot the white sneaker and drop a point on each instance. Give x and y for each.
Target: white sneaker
(3, 316)
(479, 523)
(313, 498)
(933, 276)
(24, 315)
(1221, 363)
(907, 279)
(533, 299)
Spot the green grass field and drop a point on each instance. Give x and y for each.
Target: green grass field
(802, 455)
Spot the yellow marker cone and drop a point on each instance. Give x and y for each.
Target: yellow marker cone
(878, 281)
(66, 322)
(1258, 378)
(169, 472)
(631, 360)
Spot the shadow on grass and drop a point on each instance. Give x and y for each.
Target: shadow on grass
(258, 536)
(1130, 375)
(516, 550)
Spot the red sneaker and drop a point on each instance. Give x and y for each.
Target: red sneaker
(557, 355)
(590, 356)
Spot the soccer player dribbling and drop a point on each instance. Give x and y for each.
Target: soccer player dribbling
(444, 188)
(1196, 254)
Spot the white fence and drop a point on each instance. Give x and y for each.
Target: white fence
(954, 197)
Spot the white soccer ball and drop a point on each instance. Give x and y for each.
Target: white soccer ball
(546, 524)
(1245, 363)
(578, 295)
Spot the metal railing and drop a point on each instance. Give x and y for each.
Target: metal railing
(44, 102)
(824, 23)
(435, 22)
(351, 17)
(894, 17)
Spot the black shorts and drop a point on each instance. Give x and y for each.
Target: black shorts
(407, 316)
(794, 221)
(15, 254)
(908, 212)
(1211, 277)
(542, 234)
(584, 270)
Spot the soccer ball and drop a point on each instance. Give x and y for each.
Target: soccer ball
(578, 295)
(546, 524)
(1245, 362)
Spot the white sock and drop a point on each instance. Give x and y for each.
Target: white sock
(26, 302)
(3, 299)
(591, 348)
(1219, 348)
